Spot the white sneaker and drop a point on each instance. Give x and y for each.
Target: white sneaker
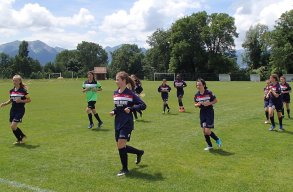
(208, 148)
(266, 122)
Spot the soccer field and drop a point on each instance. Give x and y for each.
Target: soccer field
(62, 154)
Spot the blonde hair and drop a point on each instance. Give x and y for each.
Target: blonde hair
(21, 84)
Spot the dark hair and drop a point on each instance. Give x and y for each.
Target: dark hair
(92, 73)
(124, 76)
(275, 76)
(283, 77)
(178, 76)
(203, 83)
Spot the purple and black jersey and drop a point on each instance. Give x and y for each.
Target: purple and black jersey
(164, 90)
(207, 96)
(126, 99)
(277, 89)
(138, 87)
(18, 94)
(266, 91)
(285, 88)
(179, 85)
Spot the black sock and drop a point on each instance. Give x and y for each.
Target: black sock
(167, 106)
(164, 107)
(214, 136)
(123, 158)
(20, 132)
(180, 103)
(280, 121)
(288, 112)
(267, 115)
(132, 150)
(97, 117)
(16, 133)
(283, 111)
(208, 140)
(272, 121)
(135, 114)
(90, 118)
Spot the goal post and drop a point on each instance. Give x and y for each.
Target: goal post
(224, 77)
(161, 76)
(55, 75)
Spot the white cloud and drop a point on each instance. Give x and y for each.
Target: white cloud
(263, 11)
(143, 18)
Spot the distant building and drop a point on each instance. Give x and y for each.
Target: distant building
(100, 73)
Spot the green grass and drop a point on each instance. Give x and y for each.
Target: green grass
(61, 154)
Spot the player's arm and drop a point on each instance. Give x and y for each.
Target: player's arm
(276, 94)
(197, 104)
(26, 100)
(5, 103)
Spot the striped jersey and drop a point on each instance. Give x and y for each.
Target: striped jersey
(18, 94)
(91, 94)
(207, 96)
(179, 84)
(285, 87)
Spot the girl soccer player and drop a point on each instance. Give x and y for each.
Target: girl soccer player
(137, 90)
(164, 89)
(91, 87)
(179, 84)
(275, 101)
(266, 100)
(286, 89)
(125, 102)
(205, 99)
(18, 97)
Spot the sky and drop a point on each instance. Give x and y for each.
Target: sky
(65, 23)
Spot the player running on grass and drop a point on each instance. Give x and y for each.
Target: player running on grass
(91, 87)
(125, 102)
(286, 89)
(179, 84)
(266, 100)
(205, 99)
(18, 97)
(164, 89)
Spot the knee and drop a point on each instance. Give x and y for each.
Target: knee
(88, 110)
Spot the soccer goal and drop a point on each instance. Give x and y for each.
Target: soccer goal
(289, 77)
(55, 75)
(224, 77)
(161, 76)
(255, 77)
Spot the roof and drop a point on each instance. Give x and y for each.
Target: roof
(100, 70)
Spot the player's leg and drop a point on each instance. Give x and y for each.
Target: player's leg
(100, 122)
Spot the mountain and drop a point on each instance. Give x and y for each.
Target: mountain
(37, 50)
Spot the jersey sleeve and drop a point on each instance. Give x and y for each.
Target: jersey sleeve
(184, 84)
(159, 89)
(289, 88)
(138, 103)
(213, 97)
(169, 88)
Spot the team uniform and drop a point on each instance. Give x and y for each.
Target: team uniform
(137, 90)
(266, 102)
(179, 85)
(91, 97)
(124, 123)
(17, 110)
(164, 90)
(276, 103)
(207, 116)
(286, 96)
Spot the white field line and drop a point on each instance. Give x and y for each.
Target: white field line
(23, 186)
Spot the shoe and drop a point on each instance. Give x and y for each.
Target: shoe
(182, 109)
(272, 128)
(100, 125)
(91, 126)
(267, 122)
(208, 148)
(281, 128)
(23, 140)
(219, 142)
(138, 158)
(163, 112)
(16, 143)
(289, 116)
(168, 110)
(122, 172)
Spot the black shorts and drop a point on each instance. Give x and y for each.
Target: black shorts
(180, 93)
(165, 98)
(286, 98)
(276, 105)
(207, 118)
(91, 104)
(123, 134)
(16, 115)
(266, 103)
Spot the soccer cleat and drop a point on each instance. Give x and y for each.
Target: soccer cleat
(281, 128)
(23, 140)
(100, 125)
(138, 157)
(208, 148)
(219, 142)
(272, 128)
(266, 122)
(16, 143)
(91, 126)
(122, 172)
(182, 109)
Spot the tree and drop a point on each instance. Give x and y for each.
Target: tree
(281, 42)
(256, 47)
(6, 66)
(127, 58)
(91, 55)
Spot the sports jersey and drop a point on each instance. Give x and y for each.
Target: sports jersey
(285, 87)
(179, 84)
(207, 96)
(126, 99)
(164, 90)
(138, 88)
(18, 94)
(266, 91)
(277, 89)
(91, 95)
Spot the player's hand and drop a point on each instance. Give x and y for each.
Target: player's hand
(127, 110)
(112, 113)
(197, 104)
(18, 100)
(206, 103)
(2, 105)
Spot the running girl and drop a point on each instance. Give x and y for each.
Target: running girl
(179, 84)
(275, 102)
(91, 87)
(205, 99)
(164, 89)
(18, 97)
(266, 100)
(125, 102)
(286, 89)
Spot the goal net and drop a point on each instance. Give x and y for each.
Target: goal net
(161, 76)
(255, 77)
(55, 76)
(224, 77)
(289, 77)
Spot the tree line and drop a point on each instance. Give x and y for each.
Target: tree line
(199, 43)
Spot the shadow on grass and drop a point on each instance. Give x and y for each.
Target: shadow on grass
(221, 152)
(286, 131)
(143, 121)
(171, 113)
(134, 173)
(101, 130)
(27, 146)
